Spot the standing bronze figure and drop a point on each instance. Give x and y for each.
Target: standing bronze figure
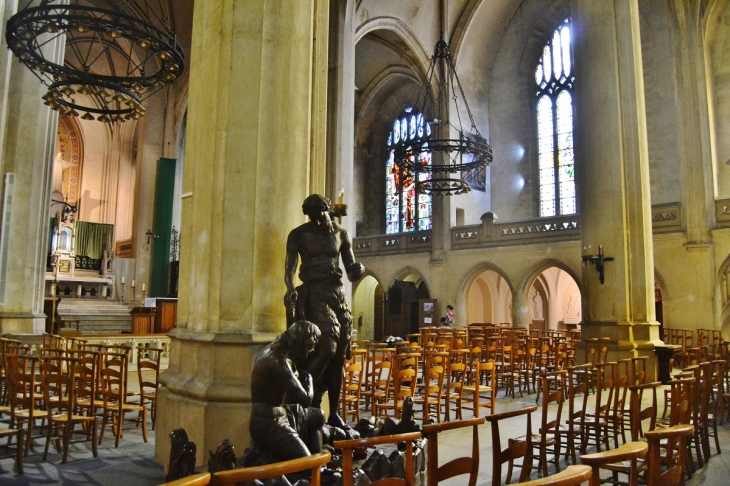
(321, 299)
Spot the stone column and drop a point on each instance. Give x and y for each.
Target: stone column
(694, 145)
(27, 144)
(247, 172)
(613, 170)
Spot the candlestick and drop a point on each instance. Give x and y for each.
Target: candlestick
(131, 299)
(121, 294)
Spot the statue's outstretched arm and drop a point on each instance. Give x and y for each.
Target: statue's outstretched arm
(354, 269)
(290, 268)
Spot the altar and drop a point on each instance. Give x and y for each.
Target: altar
(81, 287)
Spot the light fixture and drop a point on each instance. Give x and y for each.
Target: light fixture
(117, 53)
(455, 150)
(596, 260)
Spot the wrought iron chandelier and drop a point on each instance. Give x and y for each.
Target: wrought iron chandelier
(118, 53)
(455, 151)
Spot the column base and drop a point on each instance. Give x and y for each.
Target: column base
(22, 323)
(626, 340)
(207, 390)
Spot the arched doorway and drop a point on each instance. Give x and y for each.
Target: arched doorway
(367, 307)
(554, 301)
(489, 299)
(402, 305)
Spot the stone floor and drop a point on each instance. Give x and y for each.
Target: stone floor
(133, 464)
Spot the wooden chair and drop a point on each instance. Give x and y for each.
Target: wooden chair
(577, 385)
(148, 372)
(476, 390)
(347, 447)
(453, 390)
(667, 447)
(515, 449)
(404, 385)
(631, 451)
(458, 466)
(548, 435)
(200, 479)
(18, 435)
(572, 476)
(312, 463)
(638, 416)
(595, 423)
(24, 395)
(350, 400)
(59, 384)
(615, 411)
(433, 384)
(114, 397)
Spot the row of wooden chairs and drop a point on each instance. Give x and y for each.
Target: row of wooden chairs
(662, 455)
(50, 391)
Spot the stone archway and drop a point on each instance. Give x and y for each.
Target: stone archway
(367, 308)
(489, 299)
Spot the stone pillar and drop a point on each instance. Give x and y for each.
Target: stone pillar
(696, 162)
(151, 130)
(613, 170)
(27, 144)
(247, 172)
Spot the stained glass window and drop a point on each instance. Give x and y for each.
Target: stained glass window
(405, 210)
(556, 163)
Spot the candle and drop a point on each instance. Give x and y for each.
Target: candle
(122, 279)
(103, 292)
(600, 250)
(589, 253)
(79, 290)
(133, 283)
(144, 287)
(342, 196)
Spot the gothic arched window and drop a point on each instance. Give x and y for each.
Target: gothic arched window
(554, 76)
(405, 210)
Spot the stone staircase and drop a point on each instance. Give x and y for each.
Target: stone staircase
(96, 316)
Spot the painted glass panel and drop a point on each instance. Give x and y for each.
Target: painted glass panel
(556, 162)
(557, 57)
(546, 62)
(405, 210)
(567, 54)
(566, 165)
(391, 196)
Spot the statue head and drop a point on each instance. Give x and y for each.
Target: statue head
(317, 207)
(300, 339)
(315, 203)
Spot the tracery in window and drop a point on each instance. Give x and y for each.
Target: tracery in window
(556, 163)
(405, 210)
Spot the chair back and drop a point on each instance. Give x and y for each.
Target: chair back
(312, 463)
(455, 467)
(347, 447)
(515, 449)
(667, 447)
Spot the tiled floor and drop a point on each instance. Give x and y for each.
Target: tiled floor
(132, 463)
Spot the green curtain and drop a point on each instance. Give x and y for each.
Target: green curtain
(91, 238)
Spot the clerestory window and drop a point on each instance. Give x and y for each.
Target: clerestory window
(554, 78)
(405, 210)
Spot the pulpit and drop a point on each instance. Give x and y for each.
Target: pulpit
(143, 320)
(166, 315)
